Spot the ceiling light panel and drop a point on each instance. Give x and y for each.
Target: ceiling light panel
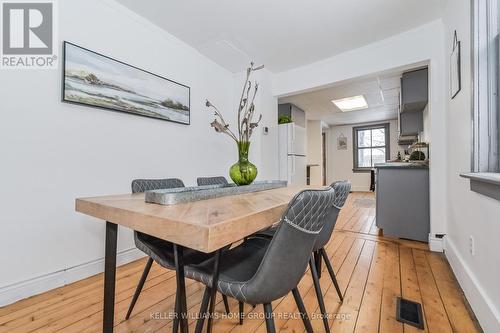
(351, 103)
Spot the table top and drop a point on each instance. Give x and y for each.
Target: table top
(206, 225)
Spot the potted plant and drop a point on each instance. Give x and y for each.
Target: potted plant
(242, 172)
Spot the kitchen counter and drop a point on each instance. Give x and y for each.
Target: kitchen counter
(402, 165)
(403, 200)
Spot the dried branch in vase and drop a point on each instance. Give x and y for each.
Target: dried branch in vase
(246, 110)
(219, 124)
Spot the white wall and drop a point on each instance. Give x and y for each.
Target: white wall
(425, 135)
(340, 162)
(54, 152)
(470, 214)
(422, 45)
(315, 151)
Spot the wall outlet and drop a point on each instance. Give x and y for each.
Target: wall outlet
(472, 247)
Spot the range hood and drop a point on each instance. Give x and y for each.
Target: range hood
(404, 140)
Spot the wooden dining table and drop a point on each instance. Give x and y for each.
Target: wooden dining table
(207, 226)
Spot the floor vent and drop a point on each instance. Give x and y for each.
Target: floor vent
(410, 313)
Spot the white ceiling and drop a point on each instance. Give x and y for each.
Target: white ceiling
(283, 34)
(380, 91)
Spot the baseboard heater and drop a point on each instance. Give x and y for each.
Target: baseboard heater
(409, 312)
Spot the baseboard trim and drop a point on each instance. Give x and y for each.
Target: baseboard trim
(484, 309)
(23, 289)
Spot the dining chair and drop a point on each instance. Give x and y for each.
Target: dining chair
(262, 270)
(341, 190)
(160, 250)
(219, 180)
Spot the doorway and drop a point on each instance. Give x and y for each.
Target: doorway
(323, 138)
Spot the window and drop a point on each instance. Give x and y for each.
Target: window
(371, 146)
(485, 175)
(486, 120)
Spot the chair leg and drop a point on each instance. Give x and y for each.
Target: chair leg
(203, 310)
(139, 287)
(268, 313)
(302, 310)
(317, 259)
(332, 273)
(319, 294)
(242, 314)
(226, 304)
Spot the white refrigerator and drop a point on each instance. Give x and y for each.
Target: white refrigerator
(292, 153)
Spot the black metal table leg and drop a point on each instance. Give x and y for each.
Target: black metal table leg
(215, 279)
(175, 329)
(181, 287)
(109, 277)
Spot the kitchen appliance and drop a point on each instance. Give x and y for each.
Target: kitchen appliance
(292, 153)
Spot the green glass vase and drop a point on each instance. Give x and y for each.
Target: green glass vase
(243, 172)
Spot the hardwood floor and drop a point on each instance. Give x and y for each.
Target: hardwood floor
(372, 272)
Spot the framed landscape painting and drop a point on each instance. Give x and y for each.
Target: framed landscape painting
(92, 79)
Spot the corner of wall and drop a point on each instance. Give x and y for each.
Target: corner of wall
(484, 308)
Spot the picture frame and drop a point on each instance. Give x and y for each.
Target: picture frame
(341, 142)
(455, 70)
(93, 79)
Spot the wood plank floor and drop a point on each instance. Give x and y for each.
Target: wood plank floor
(372, 272)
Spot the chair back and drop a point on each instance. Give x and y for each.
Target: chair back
(341, 191)
(219, 180)
(288, 254)
(141, 240)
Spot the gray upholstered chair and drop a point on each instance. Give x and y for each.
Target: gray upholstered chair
(219, 180)
(157, 249)
(262, 270)
(341, 191)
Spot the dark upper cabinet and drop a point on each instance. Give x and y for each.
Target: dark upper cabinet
(411, 123)
(414, 91)
(413, 100)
